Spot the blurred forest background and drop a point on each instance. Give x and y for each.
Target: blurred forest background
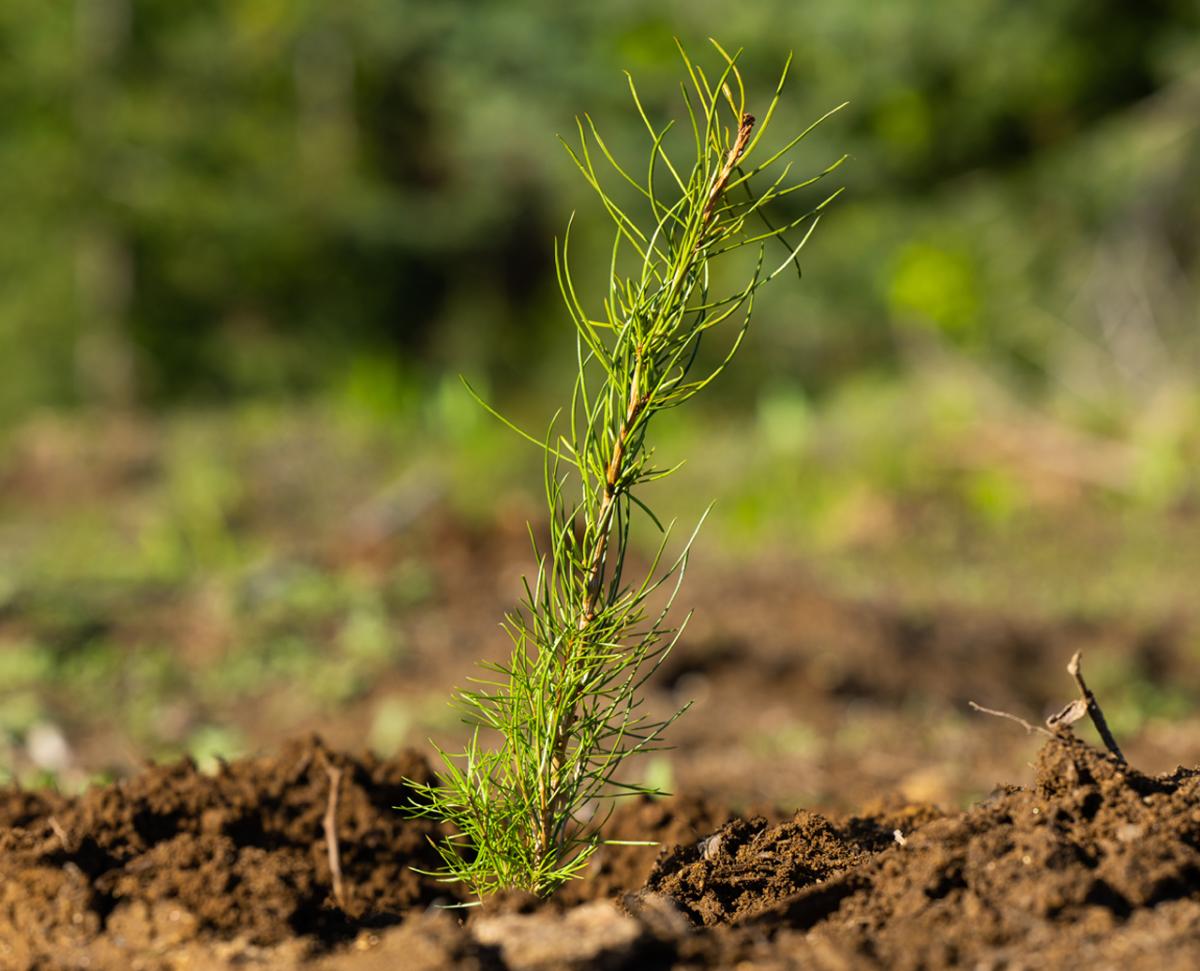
(249, 245)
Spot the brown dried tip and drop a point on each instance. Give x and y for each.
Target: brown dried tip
(731, 160)
(744, 129)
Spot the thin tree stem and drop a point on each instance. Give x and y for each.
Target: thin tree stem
(614, 475)
(637, 400)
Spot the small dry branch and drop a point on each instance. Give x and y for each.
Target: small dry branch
(330, 826)
(1085, 704)
(1011, 717)
(1056, 724)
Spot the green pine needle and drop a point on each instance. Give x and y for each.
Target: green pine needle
(526, 797)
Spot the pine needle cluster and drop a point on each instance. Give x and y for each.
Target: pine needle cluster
(528, 798)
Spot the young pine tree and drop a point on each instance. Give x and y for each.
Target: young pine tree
(553, 725)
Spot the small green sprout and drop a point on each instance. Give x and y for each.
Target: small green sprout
(528, 798)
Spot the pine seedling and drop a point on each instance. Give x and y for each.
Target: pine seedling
(527, 799)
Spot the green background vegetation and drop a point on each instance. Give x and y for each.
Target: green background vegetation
(258, 197)
(268, 235)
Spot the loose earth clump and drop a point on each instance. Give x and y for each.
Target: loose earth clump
(173, 856)
(1095, 865)
(748, 864)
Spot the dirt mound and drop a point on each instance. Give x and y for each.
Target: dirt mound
(1095, 865)
(173, 855)
(1094, 861)
(747, 864)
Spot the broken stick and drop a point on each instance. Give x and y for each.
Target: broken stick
(1085, 704)
(330, 826)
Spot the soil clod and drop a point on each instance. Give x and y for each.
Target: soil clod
(174, 855)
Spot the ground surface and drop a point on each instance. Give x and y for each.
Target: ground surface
(1094, 863)
(210, 590)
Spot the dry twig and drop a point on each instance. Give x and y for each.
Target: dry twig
(330, 826)
(1012, 718)
(1085, 704)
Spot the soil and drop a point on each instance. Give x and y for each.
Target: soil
(1095, 864)
(171, 856)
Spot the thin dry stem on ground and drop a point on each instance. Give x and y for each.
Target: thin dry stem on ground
(329, 825)
(1061, 721)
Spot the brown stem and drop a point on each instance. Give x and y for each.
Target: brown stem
(614, 470)
(731, 161)
(595, 574)
(637, 401)
(612, 476)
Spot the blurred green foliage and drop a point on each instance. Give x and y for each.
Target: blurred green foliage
(254, 197)
(243, 200)
(139, 620)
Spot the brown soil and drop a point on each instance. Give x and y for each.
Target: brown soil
(1094, 865)
(747, 864)
(172, 856)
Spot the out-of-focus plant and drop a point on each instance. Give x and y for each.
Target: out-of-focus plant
(554, 724)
